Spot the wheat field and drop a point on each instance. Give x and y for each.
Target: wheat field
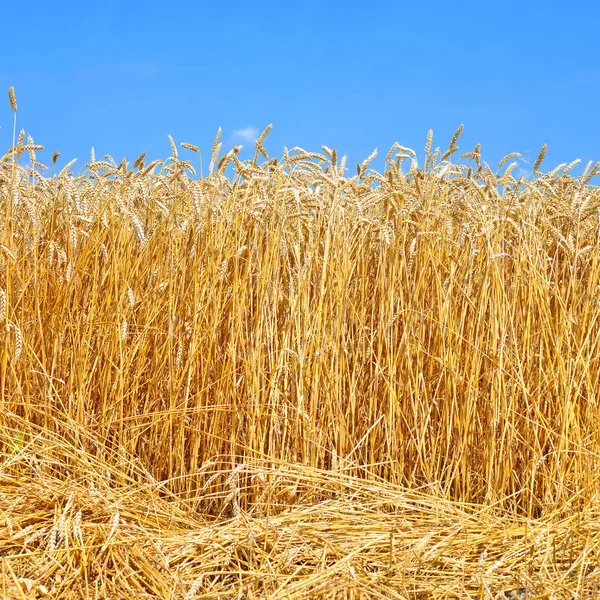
(295, 382)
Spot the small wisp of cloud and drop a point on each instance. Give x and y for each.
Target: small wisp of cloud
(246, 134)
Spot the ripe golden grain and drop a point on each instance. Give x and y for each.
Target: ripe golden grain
(216, 148)
(540, 158)
(456, 135)
(12, 98)
(292, 376)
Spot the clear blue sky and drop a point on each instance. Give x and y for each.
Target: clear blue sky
(121, 76)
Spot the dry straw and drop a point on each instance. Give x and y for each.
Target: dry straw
(292, 393)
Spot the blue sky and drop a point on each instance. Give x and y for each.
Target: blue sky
(121, 76)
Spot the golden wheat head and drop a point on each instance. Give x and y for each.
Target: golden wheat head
(12, 98)
(540, 158)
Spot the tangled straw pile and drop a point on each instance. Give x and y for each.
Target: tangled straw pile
(294, 383)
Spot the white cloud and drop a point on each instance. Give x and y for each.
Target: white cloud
(247, 134)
